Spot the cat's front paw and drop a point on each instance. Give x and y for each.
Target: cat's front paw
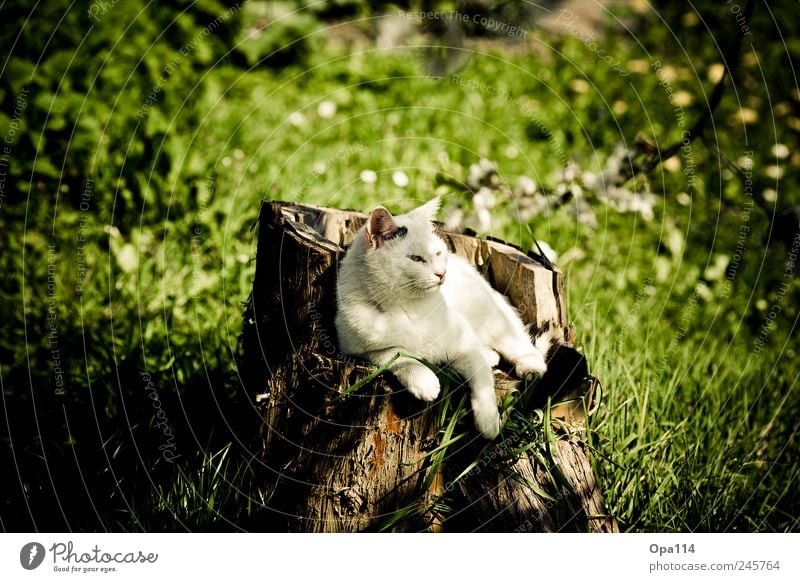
(423, 384)
(531, 366)
(487, 418)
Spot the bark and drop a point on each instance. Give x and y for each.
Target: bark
(363, 462)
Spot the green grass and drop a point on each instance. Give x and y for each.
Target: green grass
(696, 431)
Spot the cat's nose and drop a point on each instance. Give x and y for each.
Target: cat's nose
(440, 275)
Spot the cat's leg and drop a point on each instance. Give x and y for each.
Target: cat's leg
(417, 378)
(473, 365)
(501, 328)
(527, 357)
(491, 356)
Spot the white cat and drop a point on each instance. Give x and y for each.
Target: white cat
(400, 290)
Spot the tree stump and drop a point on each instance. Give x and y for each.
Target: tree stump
(375, 459)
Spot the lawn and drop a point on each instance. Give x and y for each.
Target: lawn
(140, 140)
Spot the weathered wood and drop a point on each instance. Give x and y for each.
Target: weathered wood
(350, 463)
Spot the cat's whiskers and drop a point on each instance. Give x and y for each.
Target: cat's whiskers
(405, 289)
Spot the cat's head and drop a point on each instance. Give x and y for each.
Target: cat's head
(403, 254)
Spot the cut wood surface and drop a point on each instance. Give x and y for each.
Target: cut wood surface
(362, 462)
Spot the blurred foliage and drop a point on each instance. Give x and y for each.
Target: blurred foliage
(142, 136)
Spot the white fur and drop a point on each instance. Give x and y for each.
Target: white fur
(389, 303)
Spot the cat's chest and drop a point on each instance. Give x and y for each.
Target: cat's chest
(417, 315)
(425, 320)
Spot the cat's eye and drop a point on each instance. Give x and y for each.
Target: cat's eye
(439, 253)
(416, 258)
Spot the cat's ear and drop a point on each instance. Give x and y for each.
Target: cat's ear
(381, 227)
(427, 211)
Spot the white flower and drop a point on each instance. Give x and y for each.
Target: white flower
(479, 172)
(715, 72)
(618, 158)
(643, 204)
(474, 178)
(127, 258)
(368, 176)
(615, 163)
(780, 151)
(531, 206)
(326, 109)
(484, 198)
(569, 172)
(297, 119)
(583, 212)
(525, 187)
(483, 201)
(682, 98)
(745, 162)
(774, 172)
(487, 166)
(672, 164)
(484, 220)
(592, 181)
(400, 179)
(626, 201)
